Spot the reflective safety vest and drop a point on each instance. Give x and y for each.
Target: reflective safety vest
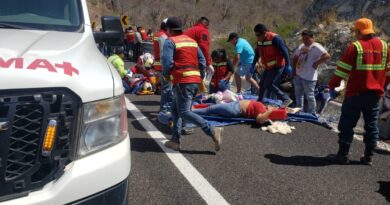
(220, 72)
(156, 51)
(271, 56)
(118, 63)
(186, 66)
(130, 36)
(144, 35)
(369, 72)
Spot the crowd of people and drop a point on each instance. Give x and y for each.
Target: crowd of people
(182, 59)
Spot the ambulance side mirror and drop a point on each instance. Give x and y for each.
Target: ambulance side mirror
(111, 33)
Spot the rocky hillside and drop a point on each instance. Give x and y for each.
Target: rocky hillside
(225, 15)
(349, 10)
(330, 19)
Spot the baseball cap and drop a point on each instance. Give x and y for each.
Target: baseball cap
(174, 23)
(364, 25)
(231, 36)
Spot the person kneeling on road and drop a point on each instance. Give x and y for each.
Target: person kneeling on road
(184, 63)
(117, 61)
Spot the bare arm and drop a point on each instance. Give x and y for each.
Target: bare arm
(323, 58)
(236, 59)
(263, 117)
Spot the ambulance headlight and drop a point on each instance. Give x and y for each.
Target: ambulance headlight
(104, 125)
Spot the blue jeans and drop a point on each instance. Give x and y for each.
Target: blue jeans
(244, 70)
(231, 109)
(305, 88)
(126, 86)
(271, 80)
(367, 103)
(166, 94)
(181, 110)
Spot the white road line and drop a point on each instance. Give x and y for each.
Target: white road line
(381, 145)
(200, 184)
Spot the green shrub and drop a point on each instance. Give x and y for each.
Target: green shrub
(93, 2)
(286, 29)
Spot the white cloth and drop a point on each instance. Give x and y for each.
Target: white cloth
(307, 56)
(278, 127)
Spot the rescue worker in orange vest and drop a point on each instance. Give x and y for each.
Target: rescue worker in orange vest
(223, 71)
(184, 63)
(129, 37)
(165, 85)
(273, 54)
(365, 63)
(200, 33)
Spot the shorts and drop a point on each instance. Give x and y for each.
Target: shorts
(244, 70)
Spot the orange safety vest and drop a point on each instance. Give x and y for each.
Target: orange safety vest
(369, 73)
(144, 35)
(186, 66)
(130, 36)
(220, 71)
(271, 56)
(156, 51)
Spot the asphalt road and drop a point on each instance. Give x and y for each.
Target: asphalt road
(253, 167)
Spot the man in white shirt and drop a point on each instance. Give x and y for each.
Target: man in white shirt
(306, 60)
(137, 45)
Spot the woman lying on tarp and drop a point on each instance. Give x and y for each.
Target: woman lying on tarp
(244, 108)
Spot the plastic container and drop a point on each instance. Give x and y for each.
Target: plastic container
(278, 114)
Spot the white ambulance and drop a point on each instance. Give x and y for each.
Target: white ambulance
(63, 118)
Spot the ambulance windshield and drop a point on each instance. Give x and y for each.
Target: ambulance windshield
(60, 15)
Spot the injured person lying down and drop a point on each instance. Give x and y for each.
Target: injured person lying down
(245, 108)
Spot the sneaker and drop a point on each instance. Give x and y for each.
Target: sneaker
(366, 160)
(172, 145)
(337, 159)
(217, 138)
(286, 103)
(187, 131)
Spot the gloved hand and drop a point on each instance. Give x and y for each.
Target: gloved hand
(223, 85)
(287, 70)
(210, 69)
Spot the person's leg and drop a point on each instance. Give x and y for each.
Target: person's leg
(370, 111)
(237, 78)
(265, 82)
(231, 109)
(350, 113)
(275, 75)
(252, 81)
(298, 86)
(126, 85)
(248, 76)
(186, 94)
(387, 128)
(166, 94)
(177, 121)
(308, 87)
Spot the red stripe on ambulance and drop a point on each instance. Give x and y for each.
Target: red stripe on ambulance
(18, 63)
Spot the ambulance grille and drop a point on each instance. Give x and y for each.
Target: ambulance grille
(24, 116)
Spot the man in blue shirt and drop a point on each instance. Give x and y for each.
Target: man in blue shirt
(244, 58)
